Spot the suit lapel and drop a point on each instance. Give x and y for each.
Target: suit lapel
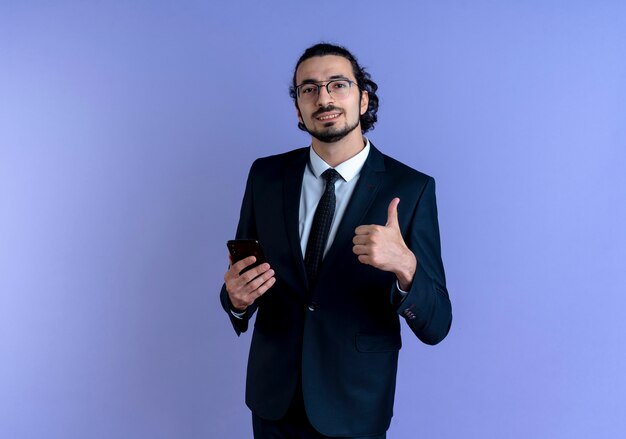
(292, 188)
(364, 194)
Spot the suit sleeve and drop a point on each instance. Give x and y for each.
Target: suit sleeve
(246, 229)
(426, 307)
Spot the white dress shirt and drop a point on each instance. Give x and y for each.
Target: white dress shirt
(313, 185)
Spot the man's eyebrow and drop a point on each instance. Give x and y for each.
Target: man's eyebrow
(315, 81)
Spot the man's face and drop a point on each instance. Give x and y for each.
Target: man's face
(329, 117)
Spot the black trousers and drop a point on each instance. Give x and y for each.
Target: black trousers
(295, 425)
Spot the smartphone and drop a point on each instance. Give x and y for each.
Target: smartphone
(242, 248)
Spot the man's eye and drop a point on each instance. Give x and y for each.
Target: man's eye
(339, 84)
(307, 89)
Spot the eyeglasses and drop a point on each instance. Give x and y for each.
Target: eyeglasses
(339, 88)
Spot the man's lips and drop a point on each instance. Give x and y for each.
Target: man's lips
(325, 117)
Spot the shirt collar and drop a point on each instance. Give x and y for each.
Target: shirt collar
(348, 169)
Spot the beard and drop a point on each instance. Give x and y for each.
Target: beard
(330, 133)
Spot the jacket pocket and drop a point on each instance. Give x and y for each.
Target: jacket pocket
(378, 343)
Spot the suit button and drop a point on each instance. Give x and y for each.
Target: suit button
(312, 306)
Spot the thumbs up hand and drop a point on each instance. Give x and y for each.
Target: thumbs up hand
(383, 247)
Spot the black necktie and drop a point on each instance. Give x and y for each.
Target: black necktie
(321, 226)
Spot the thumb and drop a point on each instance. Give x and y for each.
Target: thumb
(392, 213)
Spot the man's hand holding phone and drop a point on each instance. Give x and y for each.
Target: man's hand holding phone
(243, 284)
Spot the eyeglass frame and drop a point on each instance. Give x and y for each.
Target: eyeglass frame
(319, 85)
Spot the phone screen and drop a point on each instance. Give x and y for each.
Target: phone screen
(242, 248)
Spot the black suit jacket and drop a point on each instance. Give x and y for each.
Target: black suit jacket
(341, 338)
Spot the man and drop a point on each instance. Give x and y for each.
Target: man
(348, 252)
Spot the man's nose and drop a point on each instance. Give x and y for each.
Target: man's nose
(324, 97)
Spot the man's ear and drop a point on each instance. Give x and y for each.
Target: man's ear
(299, 114)
(365, 101)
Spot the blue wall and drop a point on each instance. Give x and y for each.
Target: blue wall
(126, 133)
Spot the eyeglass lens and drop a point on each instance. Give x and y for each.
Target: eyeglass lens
(338, 88)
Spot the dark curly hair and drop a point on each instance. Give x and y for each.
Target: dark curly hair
(363, 80)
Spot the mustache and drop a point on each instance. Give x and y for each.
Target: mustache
(322, 110)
